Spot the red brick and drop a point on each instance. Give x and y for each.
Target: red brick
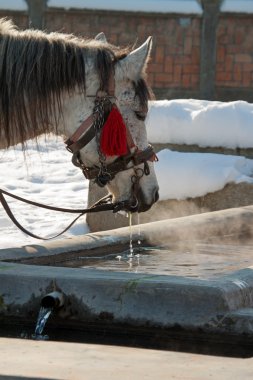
(243, 58)
(225, 39)
(188, 45)
(239, 35)
(229, 61)
(168, 66)
(151, 79)
(221, 51)
(183, 59)
(186, 80)
(246, 79)
(247, 67)
(223, 76)
(234, 49)
(196, 40)
(190, 69)
(195, 79)
(162, 77)
(155, 67)
(159, 54)
(180, 37)
(177, 73)
(219, 67)
(237, 74)
(176, 50)
(159, 85)
(195, 54)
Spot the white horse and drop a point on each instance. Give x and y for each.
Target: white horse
(70, 86)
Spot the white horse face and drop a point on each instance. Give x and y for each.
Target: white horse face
(127, 72)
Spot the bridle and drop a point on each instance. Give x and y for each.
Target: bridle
(91, 128)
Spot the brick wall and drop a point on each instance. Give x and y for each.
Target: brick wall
(175, 67)
(234, 67)
(19, 18)
(175, 62)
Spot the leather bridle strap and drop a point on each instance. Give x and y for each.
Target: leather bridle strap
(76, 142)
(103, 204)
(121, 164)
(86, 131)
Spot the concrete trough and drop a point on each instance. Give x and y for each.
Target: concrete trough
(220, 305)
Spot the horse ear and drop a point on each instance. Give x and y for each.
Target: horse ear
(101, 37)
(135, 63)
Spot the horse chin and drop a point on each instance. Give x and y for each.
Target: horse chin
(144, 208)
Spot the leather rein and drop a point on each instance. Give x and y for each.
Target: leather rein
(103, 173)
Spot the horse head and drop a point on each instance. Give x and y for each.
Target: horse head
(129, 176)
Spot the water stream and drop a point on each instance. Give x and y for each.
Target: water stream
(43, 316)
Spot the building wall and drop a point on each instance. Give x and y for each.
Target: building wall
(234, 63)
(175, 67)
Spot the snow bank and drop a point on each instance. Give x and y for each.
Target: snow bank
(205, 123)
(190, 175)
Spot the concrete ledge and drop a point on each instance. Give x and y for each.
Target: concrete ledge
(130, 299)
(231, 222)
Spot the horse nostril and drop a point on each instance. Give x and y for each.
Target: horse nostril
(156, 195)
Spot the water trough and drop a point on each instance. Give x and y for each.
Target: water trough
(146, 304)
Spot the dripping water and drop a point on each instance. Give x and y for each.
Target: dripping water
(131, 250)
(139, 232)
(132, 256)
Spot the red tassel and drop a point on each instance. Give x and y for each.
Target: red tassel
(113, 140)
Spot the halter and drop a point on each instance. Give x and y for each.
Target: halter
(92, 127)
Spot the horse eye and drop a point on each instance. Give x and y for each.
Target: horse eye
(140, 115)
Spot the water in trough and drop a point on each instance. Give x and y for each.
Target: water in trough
(199, 260)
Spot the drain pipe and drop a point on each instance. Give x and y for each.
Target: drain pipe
(53, 300)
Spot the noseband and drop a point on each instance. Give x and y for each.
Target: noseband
(92, 127)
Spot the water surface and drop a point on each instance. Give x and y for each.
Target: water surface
(200, 260)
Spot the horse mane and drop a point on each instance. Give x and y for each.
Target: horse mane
(37, 67)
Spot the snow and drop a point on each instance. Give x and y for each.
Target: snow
(189, 175)
(168, 6)
(237, 6)
(204, 123)
(46, 175)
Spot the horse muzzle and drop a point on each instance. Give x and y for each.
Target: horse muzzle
(139, 203)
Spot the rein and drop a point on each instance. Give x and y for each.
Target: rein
(104, 204)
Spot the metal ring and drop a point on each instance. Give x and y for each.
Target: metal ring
(138, 170)
(136, 203)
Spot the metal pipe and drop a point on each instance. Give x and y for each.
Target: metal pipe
(53, 300)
